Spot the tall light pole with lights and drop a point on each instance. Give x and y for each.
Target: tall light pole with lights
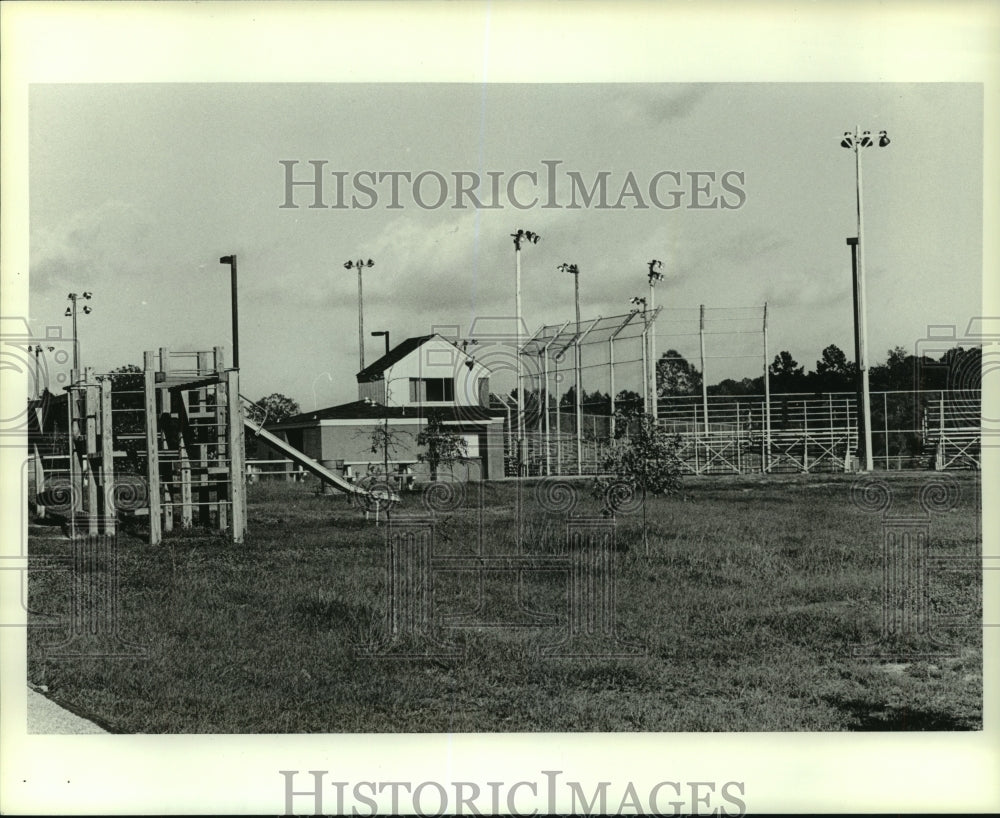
(855, 142)
(37, 349)
(574, 271)
(532, 238)
(359, 265)
(71, 311)
(654, 276)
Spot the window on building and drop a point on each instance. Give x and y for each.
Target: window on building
(432, 390)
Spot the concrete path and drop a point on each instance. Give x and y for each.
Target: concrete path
(45, 717)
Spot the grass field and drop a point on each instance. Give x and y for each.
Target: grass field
(748, 606)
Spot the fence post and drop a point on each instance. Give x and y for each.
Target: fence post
(805, 436)
(766, 459)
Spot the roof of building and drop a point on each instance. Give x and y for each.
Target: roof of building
(373, 371)
(366, 410)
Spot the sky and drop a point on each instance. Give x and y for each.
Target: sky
(136, 190)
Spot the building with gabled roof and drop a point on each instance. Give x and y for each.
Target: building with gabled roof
(423, 371)
(422, 375)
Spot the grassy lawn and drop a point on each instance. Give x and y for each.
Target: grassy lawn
(748, 605)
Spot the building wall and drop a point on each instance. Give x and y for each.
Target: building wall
(372, 390)
(491, 444)
(343, 446)
(437, 358)
(336, 446)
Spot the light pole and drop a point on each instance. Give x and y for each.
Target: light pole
(385, 333)
(574, 271)
(37, 349)
(855, 142)
(359, 265)
(639, 306)
(71, 311)
(231, 261)
(654, 276)
(532, 238)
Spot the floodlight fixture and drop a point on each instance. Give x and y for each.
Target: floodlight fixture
(524, 235)
(71, 312)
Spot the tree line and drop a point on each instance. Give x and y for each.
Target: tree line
(958, 368)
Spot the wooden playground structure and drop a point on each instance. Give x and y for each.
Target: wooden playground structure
(167, 443)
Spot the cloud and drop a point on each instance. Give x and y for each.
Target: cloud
(96, 241)
(660, 104)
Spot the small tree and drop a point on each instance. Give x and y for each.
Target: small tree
(384, 441)
(278, 407)
(444, 447)
(675, 376)
(642, 460)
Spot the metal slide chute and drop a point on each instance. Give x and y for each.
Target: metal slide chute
(310, 465)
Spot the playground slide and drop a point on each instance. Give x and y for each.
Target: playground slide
(307, 463)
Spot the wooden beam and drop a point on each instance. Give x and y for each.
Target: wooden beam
(221, 451)
(185, 383)
(152, 449)
(108, 509)
(90, 412)
(219, 359)
(185, 442)
(237, 471)
(39, 482)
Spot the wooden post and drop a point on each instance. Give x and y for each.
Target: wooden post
(152, 448)
(221, 435)
(75, 466)
(107, 459)
(183, 460)
(164, 405)
(234, 440)
(206, 366)
(39, 483)
(90, 410)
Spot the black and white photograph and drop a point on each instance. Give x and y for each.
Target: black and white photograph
(508, 418)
